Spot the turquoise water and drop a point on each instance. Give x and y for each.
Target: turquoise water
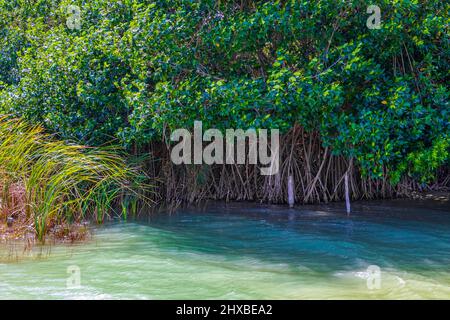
(248, 251)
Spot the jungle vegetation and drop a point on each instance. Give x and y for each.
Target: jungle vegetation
(373, 103)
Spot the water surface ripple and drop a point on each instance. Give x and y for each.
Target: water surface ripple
(248, 251)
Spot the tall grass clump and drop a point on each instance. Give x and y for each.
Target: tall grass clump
(50, 181)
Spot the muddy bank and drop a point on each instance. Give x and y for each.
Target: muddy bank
(21, 229)
(431, 195)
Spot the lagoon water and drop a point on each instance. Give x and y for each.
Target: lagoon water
(248, 251)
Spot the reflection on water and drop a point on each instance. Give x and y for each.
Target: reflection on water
(248, 251)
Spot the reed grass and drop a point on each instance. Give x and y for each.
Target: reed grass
(51, 181)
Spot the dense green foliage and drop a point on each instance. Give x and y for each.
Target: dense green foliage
(137, 69)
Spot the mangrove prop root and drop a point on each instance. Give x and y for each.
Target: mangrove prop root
(317, 175)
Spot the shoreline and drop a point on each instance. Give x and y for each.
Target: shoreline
(22, 229)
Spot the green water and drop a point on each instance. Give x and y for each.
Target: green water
(245, 251)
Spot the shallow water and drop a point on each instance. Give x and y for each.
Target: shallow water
(248, 251)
